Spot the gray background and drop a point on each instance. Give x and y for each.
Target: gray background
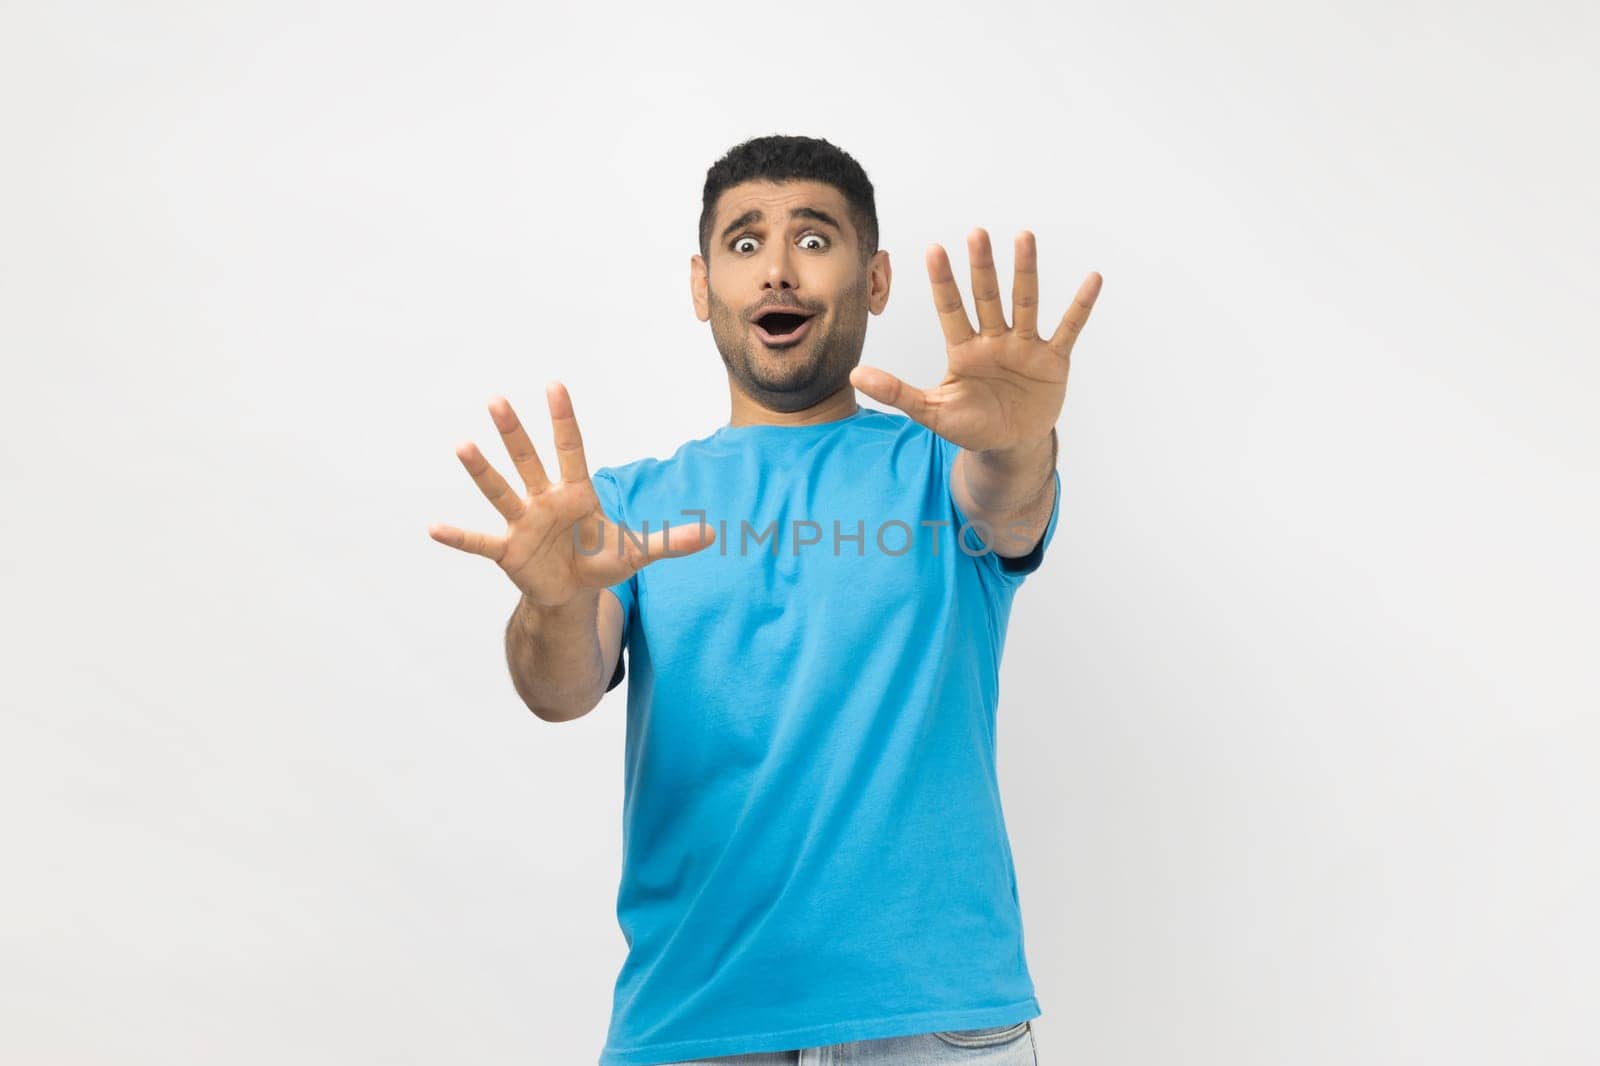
(1298, 718)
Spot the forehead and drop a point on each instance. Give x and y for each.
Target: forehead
(776, 199)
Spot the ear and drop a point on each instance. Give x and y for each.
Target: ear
(878, 276)
(698, 286)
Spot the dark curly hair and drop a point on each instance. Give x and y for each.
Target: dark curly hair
(785, 158)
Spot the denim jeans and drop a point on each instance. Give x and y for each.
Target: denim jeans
(995, 1045)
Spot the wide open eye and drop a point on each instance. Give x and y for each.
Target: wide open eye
(740, 241)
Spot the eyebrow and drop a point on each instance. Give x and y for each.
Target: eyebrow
(754, 215)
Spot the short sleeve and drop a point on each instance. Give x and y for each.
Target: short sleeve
(1010, 569)
(626, 592)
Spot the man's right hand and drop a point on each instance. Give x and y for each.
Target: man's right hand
(540, 548)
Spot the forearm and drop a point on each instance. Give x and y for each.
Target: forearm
(555, 658)
(1010, 492)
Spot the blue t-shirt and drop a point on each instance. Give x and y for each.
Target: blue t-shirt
(813, 849)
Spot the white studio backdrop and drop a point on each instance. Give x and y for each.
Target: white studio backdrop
(1298, 724)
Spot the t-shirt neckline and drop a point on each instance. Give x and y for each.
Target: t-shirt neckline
(812, 427)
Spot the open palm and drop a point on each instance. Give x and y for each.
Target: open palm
(1004, 386)
(540, 548)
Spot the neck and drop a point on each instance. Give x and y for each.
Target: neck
(747, 412)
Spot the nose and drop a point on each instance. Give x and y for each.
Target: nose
(779, 273)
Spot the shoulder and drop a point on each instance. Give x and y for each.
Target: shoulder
(651, 469)
(908, 444)
(888, 423)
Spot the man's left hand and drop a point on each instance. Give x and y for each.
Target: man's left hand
(1004, 387)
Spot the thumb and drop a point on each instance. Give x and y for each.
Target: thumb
(680, 540)
(886, 388)
(667, 543)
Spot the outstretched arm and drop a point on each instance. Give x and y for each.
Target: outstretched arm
(564, 638)
(1008, 491)
(1001, 394)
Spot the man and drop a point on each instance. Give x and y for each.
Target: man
(814, 852)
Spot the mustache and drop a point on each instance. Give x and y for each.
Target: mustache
(767, 308)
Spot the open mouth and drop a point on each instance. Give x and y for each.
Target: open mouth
(781, 329)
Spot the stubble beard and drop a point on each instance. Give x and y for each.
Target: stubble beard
(793, 379)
